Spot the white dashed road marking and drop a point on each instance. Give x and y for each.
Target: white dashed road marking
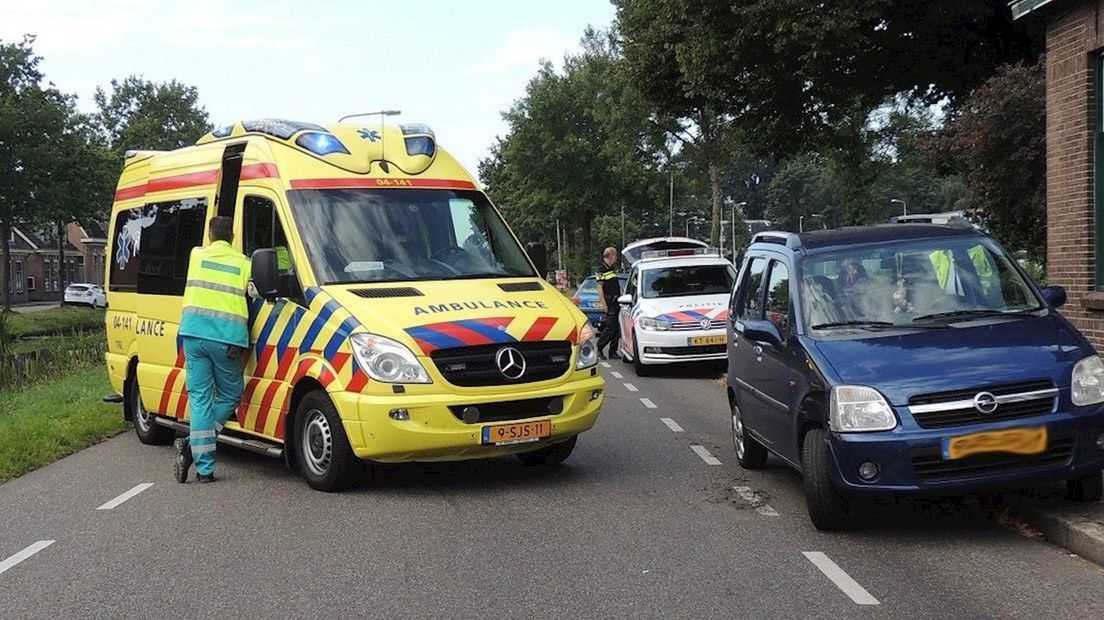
(125, 496)
(842, 580)
(617, 375)
(671, 424)
(648, 403)
(24, 554)
(630, 387)
(705, 455)
(749, 496)
(604, 364)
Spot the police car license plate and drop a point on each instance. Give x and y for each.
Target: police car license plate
(1015, 441)
(519, 432)
(702, 341)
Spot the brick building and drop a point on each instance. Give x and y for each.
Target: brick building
(1075, 153)
(33, 266)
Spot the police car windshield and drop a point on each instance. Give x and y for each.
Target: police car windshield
(913, 284)
(688, 280)
(391, 235)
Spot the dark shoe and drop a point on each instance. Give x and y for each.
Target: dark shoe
(602, 356)
(183, 460)
(205, 478)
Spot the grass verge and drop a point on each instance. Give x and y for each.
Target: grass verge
(50, 420)
(53, 321)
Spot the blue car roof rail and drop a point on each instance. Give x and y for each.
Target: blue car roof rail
(788, 239)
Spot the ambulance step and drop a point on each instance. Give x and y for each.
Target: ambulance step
(253, 445)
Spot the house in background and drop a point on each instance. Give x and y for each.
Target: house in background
(1075, 153)
(34, 265)
(91, 241)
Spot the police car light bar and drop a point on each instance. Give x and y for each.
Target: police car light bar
(681, 252)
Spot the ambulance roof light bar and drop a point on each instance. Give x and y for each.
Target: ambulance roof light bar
(381, 113)
(680, 252)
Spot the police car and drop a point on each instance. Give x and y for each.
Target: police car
(675, 306)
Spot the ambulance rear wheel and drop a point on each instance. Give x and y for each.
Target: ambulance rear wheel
(145, 425)
(321, 447)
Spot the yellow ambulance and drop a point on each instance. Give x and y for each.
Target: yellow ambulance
(397, 318)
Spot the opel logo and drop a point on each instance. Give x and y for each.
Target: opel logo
(704, 323)
(985, 402)
(510, 362)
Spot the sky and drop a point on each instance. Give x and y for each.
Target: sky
(453, 65)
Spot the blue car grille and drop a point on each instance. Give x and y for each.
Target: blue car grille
(955, 408)
(930, 466)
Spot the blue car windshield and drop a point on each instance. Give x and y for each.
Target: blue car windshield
(913, 283)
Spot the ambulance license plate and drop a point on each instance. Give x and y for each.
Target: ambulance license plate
(703, 341)
(1015, 441)
(519, 432)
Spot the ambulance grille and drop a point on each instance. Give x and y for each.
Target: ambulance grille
(381, 293)
(475, 366)
(520, 287)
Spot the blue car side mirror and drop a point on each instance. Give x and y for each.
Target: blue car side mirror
(762, 331)
(1055, 296)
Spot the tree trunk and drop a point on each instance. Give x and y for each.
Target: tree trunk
(588, 242)
(715, 190)
(5, 272)
(61, 262)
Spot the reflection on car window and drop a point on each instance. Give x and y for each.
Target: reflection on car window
(902, 282)
(778, 298)
(752, 289)
(387, 235)
(689, 280)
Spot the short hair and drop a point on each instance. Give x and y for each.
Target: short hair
(609, 253)
(221, 228)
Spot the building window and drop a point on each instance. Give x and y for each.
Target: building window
(30, 284)
(17, 279)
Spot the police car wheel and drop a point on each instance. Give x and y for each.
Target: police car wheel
(750, 453)
(551, 455)
(638, 367)
(321, 447)
(145, 425)
(1085, 489)
(828, 508)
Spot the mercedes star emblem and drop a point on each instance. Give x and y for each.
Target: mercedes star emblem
(510, 363)
(985, 402)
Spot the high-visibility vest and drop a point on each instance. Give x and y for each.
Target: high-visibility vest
(283, 258)
(215, 305)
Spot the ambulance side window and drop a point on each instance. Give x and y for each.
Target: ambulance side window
(162, 236)
(262, 229)
(124, 258)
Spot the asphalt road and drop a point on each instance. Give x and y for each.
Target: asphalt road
(637, 523)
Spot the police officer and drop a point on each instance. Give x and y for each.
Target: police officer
(215, 329)
(609, 289)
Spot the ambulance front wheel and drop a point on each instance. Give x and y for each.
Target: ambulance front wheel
(321, 447)
(551, 455)
(145, 426)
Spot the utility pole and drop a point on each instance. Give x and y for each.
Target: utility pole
(671, 202)
(740, 206)
(622, 226)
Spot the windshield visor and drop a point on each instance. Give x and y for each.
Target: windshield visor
(913, 284)
(392, 235)
(686, 281)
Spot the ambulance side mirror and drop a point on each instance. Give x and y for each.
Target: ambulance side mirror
(265, 273)
(539, 255)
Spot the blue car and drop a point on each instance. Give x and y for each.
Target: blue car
(904, 359)
(587, 300)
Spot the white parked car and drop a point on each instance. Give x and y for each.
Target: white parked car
(675, 308)
(91, 295)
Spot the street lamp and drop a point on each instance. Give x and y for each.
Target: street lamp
(903, 205)
(732, 221)
(622, 225)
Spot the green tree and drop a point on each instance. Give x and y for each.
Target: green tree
(140, 114)
(804, 187)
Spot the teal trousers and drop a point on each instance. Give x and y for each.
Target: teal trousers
(215, 384)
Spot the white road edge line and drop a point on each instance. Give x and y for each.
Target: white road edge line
(671, 424)
(24, 554)
(617, 375)
(125, 496)
(705, 455)
(604, 364)
(630, 387)
(842, 580)
(648, 403)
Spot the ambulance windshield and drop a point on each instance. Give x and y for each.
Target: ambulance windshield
(392, 235)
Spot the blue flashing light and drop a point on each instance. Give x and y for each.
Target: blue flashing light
(222, 132)
(321, 143)
(420, 145)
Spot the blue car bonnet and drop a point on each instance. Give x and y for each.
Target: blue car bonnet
(979, 355)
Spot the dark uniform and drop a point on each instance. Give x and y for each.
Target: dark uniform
(611, 289)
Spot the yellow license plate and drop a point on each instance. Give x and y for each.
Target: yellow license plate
(701, 341)
(518, 432)
(1015, 441)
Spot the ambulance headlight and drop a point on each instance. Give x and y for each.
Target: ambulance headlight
(387, 360)
(588, 348)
